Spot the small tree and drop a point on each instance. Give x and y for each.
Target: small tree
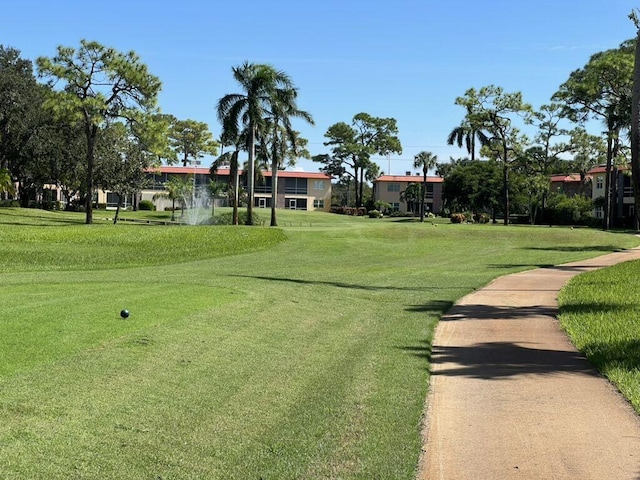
(98, 85)
(121, 164)
(6, 182)
(176, 188)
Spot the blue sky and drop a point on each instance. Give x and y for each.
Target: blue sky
(406, 59)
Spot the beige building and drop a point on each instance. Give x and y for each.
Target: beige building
(622, 193)
(390, 188)
(296, 190)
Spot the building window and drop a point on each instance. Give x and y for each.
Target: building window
(264, 186)
(395, 206)
(598, 182)
(318, 184)
(429, 192)
(318, 203)
(295, 186)
(393, 187)
(599, 213)
(295, 203)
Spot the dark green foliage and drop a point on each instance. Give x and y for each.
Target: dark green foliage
(146, 205)
(227, 219)
(564, 210)
(473, 185)
(374, 214)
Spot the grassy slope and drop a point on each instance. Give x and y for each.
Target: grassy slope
(600, 312)
(305, 360)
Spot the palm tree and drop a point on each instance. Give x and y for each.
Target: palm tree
(426, 161)
(466, 134)
(231, 158)
(411, 196)
(175, 188)
(6, 182)
(285, 142)
(262, 85)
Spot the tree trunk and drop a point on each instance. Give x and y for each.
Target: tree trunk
(424, 194)
(505, 183)
(361, 187)
(236, 196)
(91, 132)
(173, 209)
(635, 135)
(607, 183)
(115, 217)
(355, 186)
(274, 192)
(251, 173)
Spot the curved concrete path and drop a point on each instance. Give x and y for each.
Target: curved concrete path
(510, 397)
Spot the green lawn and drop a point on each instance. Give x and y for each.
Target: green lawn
(298, 352)
(600, 311)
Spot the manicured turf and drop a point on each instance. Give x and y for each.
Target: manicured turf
(299, 352)
(601, 313)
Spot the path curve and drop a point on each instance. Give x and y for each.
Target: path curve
(511, 397)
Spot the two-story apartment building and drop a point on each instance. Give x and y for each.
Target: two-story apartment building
(389, 188)
(621, 195)
(296, 190)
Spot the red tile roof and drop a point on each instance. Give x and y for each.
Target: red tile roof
(603, 169)
(225, 171)
(568, 178)
(408, 178)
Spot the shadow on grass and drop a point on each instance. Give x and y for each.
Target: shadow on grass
(422, 351)
(434, 306)
(353, 286)
(577, 248)
(594, 307)
(520, 265)
(40, 220)
(619, 354)
(501, 360)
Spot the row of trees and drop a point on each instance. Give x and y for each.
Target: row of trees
(93, 123)
(96, 123)
(601, 91)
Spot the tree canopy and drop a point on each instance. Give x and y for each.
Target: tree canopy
(354, 145)
(95, 86)
(494, 111)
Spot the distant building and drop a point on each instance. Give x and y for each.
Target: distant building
(296, 190)
(389, 188)
(623, 208)
(570, 185)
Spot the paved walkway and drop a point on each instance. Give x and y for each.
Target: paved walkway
(510, 397)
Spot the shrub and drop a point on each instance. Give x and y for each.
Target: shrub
(227, 219)
(101, 206)
(340, 210)
(481, 218)
(146, 205)
(458, 218)
(563, 210)
(374, 214)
